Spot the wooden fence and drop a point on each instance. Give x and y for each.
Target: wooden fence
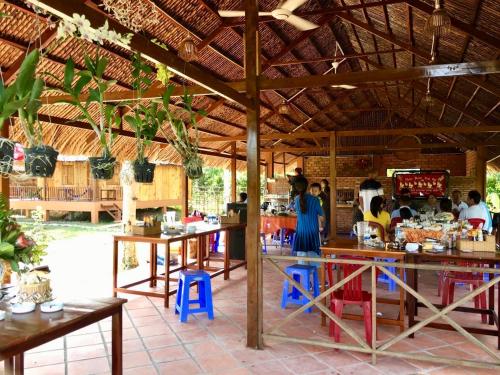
(67, 194)
(381, 348)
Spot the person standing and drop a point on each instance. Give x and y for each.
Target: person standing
(368, 189)
(291, 181)
(310, 219)
(325, 196)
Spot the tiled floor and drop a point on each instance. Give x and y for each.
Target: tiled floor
(156, 343)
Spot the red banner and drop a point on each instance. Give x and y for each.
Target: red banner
(422, 184)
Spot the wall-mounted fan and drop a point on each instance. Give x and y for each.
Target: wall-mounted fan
(282, 12)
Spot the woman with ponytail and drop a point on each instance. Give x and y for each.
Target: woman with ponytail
(310, 218)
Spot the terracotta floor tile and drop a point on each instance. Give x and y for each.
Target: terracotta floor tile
(45, 370)
(182, 367)
(274, 367)
(88, 366)
(359, 369)
(83, 340)
(136, 359)
(44, 358)
(85, 352)
(169, 354)
(215, 364)
(193, 335)
(337, 358)
(154, 330)
(145, 370)
(204, 348)
(154, 342)
(52, 345)
(395, 366)
(247, 356)
(148, 311)
(305, 364)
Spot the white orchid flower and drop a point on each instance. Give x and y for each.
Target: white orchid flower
(80, 21)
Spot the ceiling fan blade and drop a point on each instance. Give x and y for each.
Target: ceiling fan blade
(347, 87)
(291, 5)
(238, 13)
(301, 23)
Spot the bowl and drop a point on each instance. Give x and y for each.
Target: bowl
(51, 306)
(412, 246)
(23, 307)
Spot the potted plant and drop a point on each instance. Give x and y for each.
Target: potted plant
(8, 106)
(183, 144)
(145, 122)
(92, 79)
(40, 160)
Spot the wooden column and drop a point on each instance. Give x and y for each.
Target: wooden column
(233, 172)
(254, 261)
(4, 184)
(333, 185)
(481, 160)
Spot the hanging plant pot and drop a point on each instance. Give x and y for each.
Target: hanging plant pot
(40, 161)
(144, 172)
(193, 167)
(102, 168)
(6, 155)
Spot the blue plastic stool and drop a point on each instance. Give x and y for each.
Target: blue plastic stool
(264, 245)
(215, 246)
(383, 278)
(291, 236)
(302, 274)
(182, 304)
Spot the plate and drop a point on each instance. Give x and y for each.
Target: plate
(23, 308)
(51, 306)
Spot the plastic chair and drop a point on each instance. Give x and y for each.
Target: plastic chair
(380, 229)
(287, 233)
(306, 276)
(191, 219)
(395, 221)
(182, 304)
(470, 278)
(383, 278)
(351, 294)
(264, 244)
(476, 222)
(213, 241)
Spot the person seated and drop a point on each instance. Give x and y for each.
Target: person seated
(404, 202)
(477, 210)
(457, 204)
(432, 205)
(377, 214)
(357, 214)
(243, 197)
(406, 213)
(446, 213)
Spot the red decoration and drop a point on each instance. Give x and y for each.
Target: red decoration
(18, 152)
(422, 184)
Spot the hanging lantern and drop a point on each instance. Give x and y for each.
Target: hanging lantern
(284, 108)
(428, 99)
(439, 21)
(188, 50)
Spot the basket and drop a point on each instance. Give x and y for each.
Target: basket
(35, 288)
(235, 219)
(488, 245)
(145, 231)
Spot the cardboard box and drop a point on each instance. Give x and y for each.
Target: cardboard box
(235, 219)
(488, 245)
(145, 231)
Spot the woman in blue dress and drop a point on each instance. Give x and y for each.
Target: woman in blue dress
(310, 218)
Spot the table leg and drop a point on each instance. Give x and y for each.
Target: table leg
(401, 300)
(151, 265)
(19, 364)
(116, 343)
(155, 263)
(322, 286)
(115, 267)
(227, 261)
(167, 273)
(183, 254)
(498, 316)
(410, 299)
(201, 251)
(9, 366)
(491, 296)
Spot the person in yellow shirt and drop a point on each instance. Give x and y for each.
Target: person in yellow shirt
(377, 214)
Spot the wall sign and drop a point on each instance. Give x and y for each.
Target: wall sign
(421, 183)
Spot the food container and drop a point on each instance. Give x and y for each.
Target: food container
(488, 245)
(145, 231)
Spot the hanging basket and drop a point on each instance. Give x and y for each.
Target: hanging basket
(40, 161)
(6, 155)
(193, 167)
(144, 172)
(102, 168)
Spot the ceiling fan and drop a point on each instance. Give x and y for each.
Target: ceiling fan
(335, 65)
(282, 12)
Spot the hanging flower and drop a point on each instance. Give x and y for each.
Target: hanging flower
(65, 29)
(80, 21)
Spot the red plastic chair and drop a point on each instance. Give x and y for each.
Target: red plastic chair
(379, 228)
(473, 279)
(476, 222)
(191, 219)
(395, 221)
(351, 294)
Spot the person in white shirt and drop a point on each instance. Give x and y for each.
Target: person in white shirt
(458, 205)
(476, 210)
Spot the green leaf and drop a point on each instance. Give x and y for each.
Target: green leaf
(81, 83)
(27, 72)
(6, 250)
(101, 66)
(89, 64)
(69, 73)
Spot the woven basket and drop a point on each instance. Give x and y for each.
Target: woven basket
(38, 291)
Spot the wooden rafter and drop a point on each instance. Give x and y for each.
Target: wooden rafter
(331, 58)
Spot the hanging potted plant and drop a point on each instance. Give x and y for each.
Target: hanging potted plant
(74, 83)
(40, 160)
(183, 144)
(145, 122)
(8, 106)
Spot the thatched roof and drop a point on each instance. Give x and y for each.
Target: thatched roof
(395, 29)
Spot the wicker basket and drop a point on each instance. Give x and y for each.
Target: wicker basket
(488, 245)
(35, 287)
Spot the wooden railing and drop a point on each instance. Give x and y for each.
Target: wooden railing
(67, 194)
(380, 348)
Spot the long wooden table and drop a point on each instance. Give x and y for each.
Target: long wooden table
(202, 233)
(22, 332)
(490, 259)
(342, 247)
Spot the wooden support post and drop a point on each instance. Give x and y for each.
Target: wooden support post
(233, 172)
(333, 185)
(4, 184)
(481, 159)
(254, 261)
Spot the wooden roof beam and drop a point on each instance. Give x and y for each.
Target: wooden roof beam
(151, 51)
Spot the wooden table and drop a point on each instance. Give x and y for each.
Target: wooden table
(22, 332)
(272, 224)
(352, 248)
(484, 258)
(202, 233)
